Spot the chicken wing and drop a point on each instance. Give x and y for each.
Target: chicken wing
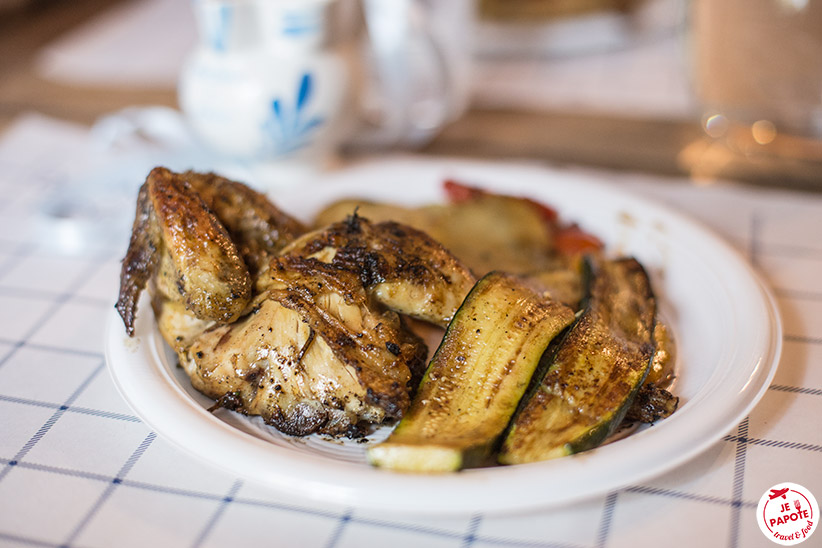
(202, 239)
(177, 238)
(256, 226)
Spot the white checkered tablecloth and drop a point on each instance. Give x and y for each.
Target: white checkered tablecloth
(79, 469)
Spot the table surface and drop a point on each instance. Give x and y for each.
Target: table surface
(78, 468)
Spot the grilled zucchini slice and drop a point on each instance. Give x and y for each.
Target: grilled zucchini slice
(475, 379)
(596, 370)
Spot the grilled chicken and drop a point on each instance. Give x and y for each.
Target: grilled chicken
(256, 226)
(180, 243)
(316, 355)
(308, 336)
(324, 349)
(403, 268)
(488, 232)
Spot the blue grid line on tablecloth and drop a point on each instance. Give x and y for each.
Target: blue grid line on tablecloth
(515, 543)
(796, 389)
(134, 418)
(71, 408)
(170, 490)
(50, 422)
(607, 519)
(224, 502)
(57, 302)
(670, 493)
(779, 444)
(344, 520)
(58, 470)
(754, 251)
(64, 407)
(497, 540)
(51, 348)
(124, 470)
(28, 541)
(739, 480)
(471, 532)
(639, 489)
(338, 530)
(412, 528)
(10, 347)
(307, 510)
(348, 517)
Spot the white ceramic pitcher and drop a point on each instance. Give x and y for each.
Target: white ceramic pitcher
(263, 84)
(271, 82)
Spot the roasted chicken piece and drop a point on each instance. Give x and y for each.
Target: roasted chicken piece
(488, 233)
(256, 226)
(315, 355)
(177, 241)
(201, 238)
(402, 267)
(324, 349)
(485, 230)
(311, 340)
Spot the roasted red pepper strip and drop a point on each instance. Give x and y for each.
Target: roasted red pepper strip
(572, 240)
(549, 214)
(458, 192)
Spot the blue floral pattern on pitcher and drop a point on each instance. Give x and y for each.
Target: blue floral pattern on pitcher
(290, 129)
(218, 21)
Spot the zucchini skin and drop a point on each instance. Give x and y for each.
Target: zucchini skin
(476, 378)
(595, 371)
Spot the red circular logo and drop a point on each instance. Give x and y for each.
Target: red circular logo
(787, 514)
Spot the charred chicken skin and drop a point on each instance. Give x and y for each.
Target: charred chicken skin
(404, 268)
(180, 244)
(324, 349)
(316, 354)
(255, 225)
(305, 333)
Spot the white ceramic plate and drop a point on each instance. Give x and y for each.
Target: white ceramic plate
(725, 321)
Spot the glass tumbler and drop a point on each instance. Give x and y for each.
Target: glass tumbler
(757, 75)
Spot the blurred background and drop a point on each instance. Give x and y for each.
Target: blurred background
(672, 87)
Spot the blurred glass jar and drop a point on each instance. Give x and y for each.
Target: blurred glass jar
(414, 69)
(757, 73)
